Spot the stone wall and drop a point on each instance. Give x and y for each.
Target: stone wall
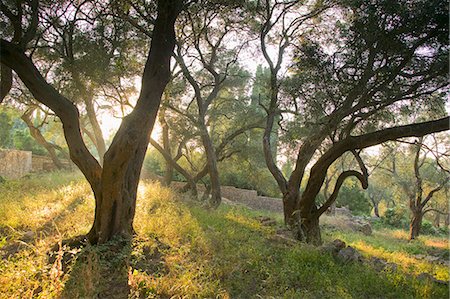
(14, 164)
(270, 203)
(237, 194)
(249, 198)
(44, 163)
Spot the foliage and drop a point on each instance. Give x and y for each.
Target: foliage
(5, 129)
(352, 197)
(396, 217)
(247, 174)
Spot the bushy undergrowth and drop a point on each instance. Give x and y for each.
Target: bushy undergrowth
(182, 250)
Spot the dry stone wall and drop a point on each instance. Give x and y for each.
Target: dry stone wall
(14, 164)
(237, 194)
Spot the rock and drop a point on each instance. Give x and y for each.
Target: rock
(339, 244)
(428, 276)
(381, 265)
(333, 247)
(284, 239)
(431, 259)
(378, 264)
(344, 211)
(349, 254)
(366, 229)
(360, 225)
(28, 236)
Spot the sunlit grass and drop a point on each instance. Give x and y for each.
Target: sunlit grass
(394, 246)
(438, 243)
(183, 250)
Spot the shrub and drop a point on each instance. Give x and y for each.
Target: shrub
(396, 217)
(353, 198)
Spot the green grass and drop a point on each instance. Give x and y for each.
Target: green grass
(184, 250)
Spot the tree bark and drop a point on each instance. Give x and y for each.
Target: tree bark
(96, 129)
(309, 229)
(375, 206)
(211, 161)
(168, 173)
(289, 209)
(437, 220)
(6, 82)
(415, 224)
(375, 210)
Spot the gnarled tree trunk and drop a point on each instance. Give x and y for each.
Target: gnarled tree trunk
(211, 161)
(289, 208)
(437, 220)
(309, 230)
(415, 224)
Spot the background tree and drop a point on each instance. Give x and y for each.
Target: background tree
(420, 181)
(342, 95)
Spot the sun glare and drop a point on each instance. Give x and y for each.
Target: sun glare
(110, 124)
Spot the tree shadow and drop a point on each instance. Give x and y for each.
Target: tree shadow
(99, 271)
(27, 236)
(262, 258)
(104, 270)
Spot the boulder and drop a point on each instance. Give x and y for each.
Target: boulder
(339, 244)
(344, 211)
(358, 224)
(381, 265)
(366, 229)
(378, 264)
(333, 247)
(266, 221)
(349, 254)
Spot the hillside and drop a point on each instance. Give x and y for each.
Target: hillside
(183, 250)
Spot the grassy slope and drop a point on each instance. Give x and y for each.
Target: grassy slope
(185, 250)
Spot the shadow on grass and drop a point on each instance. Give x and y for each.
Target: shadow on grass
(103, 271)
(250, 263)
(99, 271)
(28, 236)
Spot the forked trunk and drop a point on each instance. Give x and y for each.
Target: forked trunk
(305, 224)
(415, 224)
(114, 185)
(211, 158)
